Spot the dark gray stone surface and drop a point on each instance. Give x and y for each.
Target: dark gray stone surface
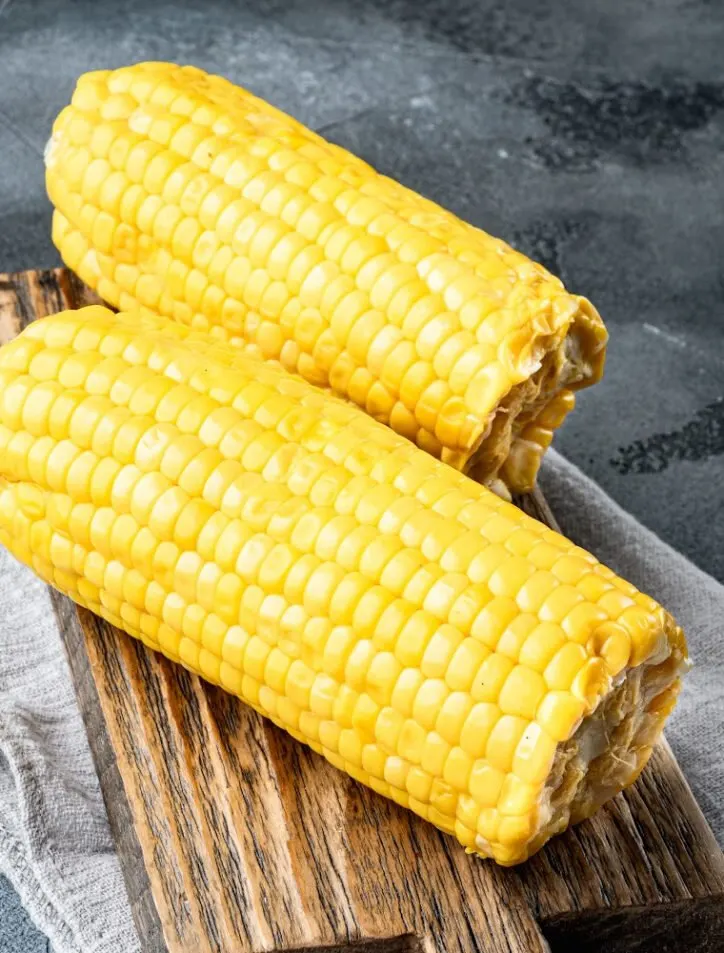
(589, 134)
(17, 933)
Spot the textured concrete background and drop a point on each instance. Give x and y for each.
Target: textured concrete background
(589, 134)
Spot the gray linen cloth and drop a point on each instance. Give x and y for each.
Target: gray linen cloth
(55, 846)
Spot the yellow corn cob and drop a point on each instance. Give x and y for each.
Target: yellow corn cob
(187, 196)
(422, 634)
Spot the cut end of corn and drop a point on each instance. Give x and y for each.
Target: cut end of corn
(422, 634)
(181, 194)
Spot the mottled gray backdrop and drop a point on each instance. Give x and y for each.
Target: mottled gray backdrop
(589, 134)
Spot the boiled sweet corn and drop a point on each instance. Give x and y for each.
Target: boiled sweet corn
(422, 634)
(184, 195)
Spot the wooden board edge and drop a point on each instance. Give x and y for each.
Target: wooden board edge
(120, 818)
(696, 926)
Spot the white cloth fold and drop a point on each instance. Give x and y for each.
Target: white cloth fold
(696, 600)
(55, 845)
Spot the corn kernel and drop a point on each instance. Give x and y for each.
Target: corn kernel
(389, 612)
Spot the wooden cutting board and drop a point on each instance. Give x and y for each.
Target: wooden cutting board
(234, 838)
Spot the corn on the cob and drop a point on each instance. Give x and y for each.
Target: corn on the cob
(422, 634)
(180, 193)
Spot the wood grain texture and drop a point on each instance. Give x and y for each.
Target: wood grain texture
(232, 837)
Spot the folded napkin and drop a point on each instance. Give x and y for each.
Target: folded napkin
(55, 845)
